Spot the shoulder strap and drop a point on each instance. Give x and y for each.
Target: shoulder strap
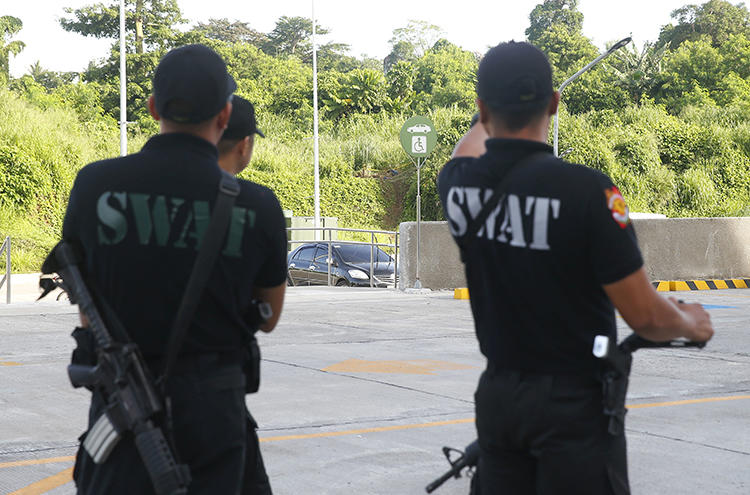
(476, 223)
(229, 189)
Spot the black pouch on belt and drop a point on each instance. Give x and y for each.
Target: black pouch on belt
(251, 362)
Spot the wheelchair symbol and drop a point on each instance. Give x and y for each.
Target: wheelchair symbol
(419, 144)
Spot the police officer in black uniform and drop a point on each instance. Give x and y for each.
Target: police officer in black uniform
(138, 221)
(238, 141)
(545, 271)
(235, 151)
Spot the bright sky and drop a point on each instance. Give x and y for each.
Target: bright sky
(472, 24)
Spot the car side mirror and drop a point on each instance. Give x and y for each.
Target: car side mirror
(332, 262)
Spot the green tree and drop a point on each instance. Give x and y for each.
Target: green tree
(419, 35)
(359, 91)
(556, 29)
(149, 23)
(717, 20)
(291, 36)
(636, 72)
(401, 80)
(9, 26)
(50, 79)
(231, 32)
(558, 13)
(445, 76)
(402, 51)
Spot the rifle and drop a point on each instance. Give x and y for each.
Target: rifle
(121, 375)
(466, 459)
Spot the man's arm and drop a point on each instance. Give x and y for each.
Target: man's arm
(472, 144)
(654, 317)
(275, 297)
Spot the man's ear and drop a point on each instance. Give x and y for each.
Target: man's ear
(223, 119)
(484, 114)
(152, 108)
(554, 103)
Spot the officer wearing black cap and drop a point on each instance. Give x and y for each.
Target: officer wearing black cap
(549, 252)
(235, 150)
(237, 142)
(139, 221)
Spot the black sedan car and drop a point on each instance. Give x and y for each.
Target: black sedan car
(350, 265)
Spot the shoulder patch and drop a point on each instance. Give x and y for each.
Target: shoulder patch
(616, 204)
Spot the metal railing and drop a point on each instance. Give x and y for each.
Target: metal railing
(373, 244)
(6, 278)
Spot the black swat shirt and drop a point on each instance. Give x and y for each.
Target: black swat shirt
(535, 270)
(138, 220)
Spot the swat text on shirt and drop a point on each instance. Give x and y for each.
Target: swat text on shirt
(164, 221)
(463, 202)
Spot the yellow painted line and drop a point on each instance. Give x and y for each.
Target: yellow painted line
(33, 462)
(690, 401)
(740, 284)
(366, 430)
(462, 293)
(47, 484)
(9, 363)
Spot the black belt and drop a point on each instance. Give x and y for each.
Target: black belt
(204, 361)
(573, 378)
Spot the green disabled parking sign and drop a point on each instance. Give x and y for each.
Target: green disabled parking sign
(418, 137)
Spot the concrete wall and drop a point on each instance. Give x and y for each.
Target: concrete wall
(695, 248)
(673, 249)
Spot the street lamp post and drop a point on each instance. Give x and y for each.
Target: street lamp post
(578, 74)
(123, 86)
(316, 160)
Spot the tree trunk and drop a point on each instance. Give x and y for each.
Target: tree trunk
(139, 26)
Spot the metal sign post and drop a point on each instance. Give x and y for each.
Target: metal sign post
(418, 138)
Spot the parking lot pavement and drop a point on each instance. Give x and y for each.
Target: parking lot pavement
(361, 388)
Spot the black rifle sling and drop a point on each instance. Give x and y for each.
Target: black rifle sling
(210, 245)
(477, 222)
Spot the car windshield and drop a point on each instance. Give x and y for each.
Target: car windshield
(353, 253)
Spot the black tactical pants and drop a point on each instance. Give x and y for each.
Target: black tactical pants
(210, 429)
(545, 434)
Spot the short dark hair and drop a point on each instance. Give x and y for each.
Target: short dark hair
(516, 119)
(514, 80)
(226, 145)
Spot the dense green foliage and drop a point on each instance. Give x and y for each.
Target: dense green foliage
(670, 122)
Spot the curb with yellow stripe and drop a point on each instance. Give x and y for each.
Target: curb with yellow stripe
(675, 285)
(667, 286)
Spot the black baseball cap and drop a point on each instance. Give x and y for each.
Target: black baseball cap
(242, 122)
(191, 84)
(514, 76)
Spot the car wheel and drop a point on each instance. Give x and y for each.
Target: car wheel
(342, 283)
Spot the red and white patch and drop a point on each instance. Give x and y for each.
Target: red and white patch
(616, 204)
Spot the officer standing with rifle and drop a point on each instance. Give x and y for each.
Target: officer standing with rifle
(164, 253)
(549, 253)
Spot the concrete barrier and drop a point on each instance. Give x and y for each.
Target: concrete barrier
(673, 249)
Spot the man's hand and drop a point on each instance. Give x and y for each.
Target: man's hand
(654, 317)
(702, 330)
